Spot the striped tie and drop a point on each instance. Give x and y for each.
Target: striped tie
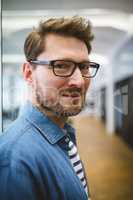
(77, 164)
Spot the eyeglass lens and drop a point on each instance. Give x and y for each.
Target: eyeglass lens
(66, 68)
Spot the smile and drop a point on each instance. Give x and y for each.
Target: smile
(72, 95)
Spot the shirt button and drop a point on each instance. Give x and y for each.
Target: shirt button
(67, 140)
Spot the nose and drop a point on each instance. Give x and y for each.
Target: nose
(76, 79)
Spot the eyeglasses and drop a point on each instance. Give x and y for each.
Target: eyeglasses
(65, 68)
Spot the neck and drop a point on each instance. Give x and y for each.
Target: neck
(58, 120)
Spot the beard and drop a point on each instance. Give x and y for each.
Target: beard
(63, 103)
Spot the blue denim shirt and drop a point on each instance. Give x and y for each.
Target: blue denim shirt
(34, 164)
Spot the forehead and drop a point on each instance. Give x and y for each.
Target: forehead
(59, 47)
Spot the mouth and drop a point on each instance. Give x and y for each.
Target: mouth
(72, 95)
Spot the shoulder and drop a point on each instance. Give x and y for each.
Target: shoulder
(21, 141)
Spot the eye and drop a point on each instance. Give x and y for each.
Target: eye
(62, 64)
(84, 66)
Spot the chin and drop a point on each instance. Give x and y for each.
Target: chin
(69, 112)
(62, 110)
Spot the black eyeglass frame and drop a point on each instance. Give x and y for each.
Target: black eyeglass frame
(51, 63)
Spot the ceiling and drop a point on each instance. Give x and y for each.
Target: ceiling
(118, 5)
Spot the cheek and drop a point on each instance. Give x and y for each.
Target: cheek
(43, 77)
(56, 82)
(51, 85)
(87, 84)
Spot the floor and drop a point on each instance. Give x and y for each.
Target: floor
(108, 161)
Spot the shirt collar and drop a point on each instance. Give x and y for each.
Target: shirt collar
(47, 127)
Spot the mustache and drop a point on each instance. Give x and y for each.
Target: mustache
(73, 90)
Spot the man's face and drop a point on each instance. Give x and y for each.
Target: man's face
(64, 96)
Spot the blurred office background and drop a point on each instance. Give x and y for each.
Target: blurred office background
(112, 90)
(108, 114)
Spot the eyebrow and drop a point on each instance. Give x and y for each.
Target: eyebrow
(70, 59)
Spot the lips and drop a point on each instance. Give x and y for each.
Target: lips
(74, 95)
(65, 95)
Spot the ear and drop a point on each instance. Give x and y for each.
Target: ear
(28, 73)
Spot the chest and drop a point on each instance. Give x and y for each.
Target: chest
(58, 176)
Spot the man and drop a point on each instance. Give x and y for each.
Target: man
(38, 154)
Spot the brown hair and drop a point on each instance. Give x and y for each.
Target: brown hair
(77, 27)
